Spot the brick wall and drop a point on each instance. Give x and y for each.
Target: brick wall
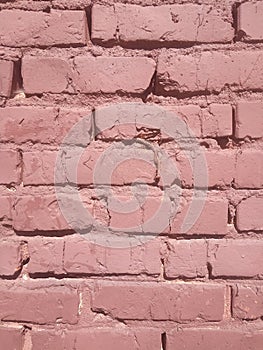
(75, 62)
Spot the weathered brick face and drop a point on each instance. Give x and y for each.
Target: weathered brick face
(131, 175)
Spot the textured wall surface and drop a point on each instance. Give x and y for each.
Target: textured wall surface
(191, 288)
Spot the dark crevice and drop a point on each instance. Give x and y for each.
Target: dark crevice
(210, 270)
(89, 20)
(45, 233)
(235, 21)
(17, 83)
(151, 87)
(163, 341)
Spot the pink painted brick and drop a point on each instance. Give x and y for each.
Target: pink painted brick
(43, 125)
(111, 164)
(162, 25)
(249, 119)
(217, 120)
(5, 207)
(39, 167)
(10, 258)
(11, 338)
(37, 213)
(46, 256)
(31, 28)
(186, 259)
(239, 258)
(178, 73)
(46, 74)
(249, 169)
(83, 257)
(9, 164)
(210, 168)
(250, 21)
(249, 216)
(220, 167)
(214, 338)
(42, 306)
(158, 301)
(43, 213)
(248, 302)
(102, 338)
(6, 77)
(203, 223)
(89, 75)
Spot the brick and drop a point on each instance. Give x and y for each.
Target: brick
(5, 207)
(217, 120)
(140, 210)
(46, 256)
(83, 257)
(162, 25)
(43, 125)
(159, 302)
(201, 220)
(248, 217)
(11, 338)
(38, 213)
(250, 21)
(249, 169)
(249, 120)
(39, 167)
(89, 75)
(149, 122)
(214, 121)
(220, 168)
(178, 74)
(42, 306)
(236, 258)
(217, 339)
(31, 28)
(34, 213)
(99, 163)
(10, 258)
(6, 77)
(208, 168)
(187, 259)
(9, 163)
(110, 338)
(248, 302)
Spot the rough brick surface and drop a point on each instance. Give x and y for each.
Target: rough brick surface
(160, 25)
(43, 306)
(9, 163)
(6, 77)
(201, 338)
(203, 223)
(249, 119)
(144, 339)
(83, 257)
(249, 217)
(248, 302)
(249, 169)
(249, 21)
(195, 73)
(186, 259)
(28, 28)
(46, 256)
(131, 186)
(57, 75)
(153, 302)
(10, 258)
(11, 338)
(43, 125)
(241, 258)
